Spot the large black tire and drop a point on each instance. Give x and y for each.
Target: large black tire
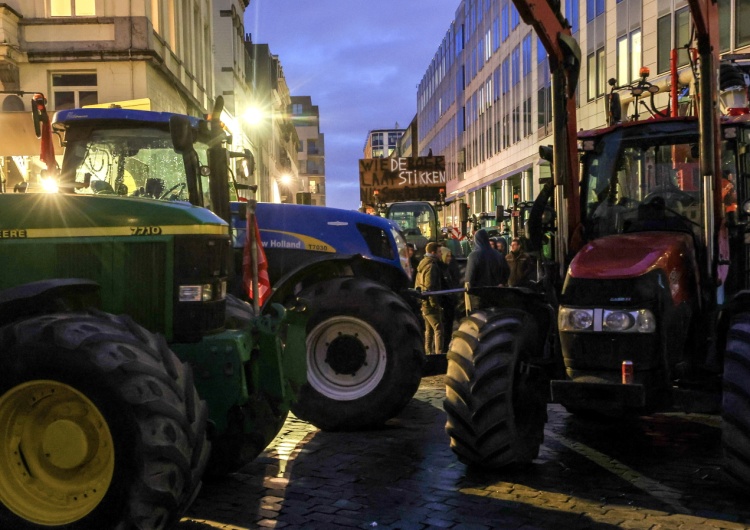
(101, 426)
(235, 447)
(735, 434)
(364, 355)
(496, 406)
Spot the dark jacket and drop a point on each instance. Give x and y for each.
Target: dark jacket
(485, 267)
(520, 265)
(430, 278)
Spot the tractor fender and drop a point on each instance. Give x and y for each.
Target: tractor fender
(325, 267)
(46, 296)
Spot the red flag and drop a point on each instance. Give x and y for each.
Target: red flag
(264, 282)
(48, 149)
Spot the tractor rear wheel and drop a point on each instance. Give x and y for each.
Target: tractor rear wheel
(100, 425)
(364, 355)
(735, 435)
(495, 400)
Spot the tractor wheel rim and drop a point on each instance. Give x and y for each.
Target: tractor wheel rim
(346, 358)
(57, 453)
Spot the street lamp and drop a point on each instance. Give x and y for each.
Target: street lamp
(254, 116)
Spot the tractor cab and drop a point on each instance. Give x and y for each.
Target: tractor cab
(418, 221)
(642, 177)
(127, 153)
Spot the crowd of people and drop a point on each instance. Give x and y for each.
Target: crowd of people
(489, 264)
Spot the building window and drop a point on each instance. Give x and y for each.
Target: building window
(377, 145)
(505, 21)
(74, 90)
(73, 8)
(526, 46)
(628, 57)
(392, 142)
(594, 8)
(571, 13)
(597, 74)
(296, 109)
(672, 32)
(742, 28)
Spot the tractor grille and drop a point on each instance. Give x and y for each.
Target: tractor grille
(131, 273)
(200, 260)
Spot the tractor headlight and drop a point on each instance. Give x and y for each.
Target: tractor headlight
(573, 319)
(645, 321)
(618, 320)
(203, 293)
(606, 320)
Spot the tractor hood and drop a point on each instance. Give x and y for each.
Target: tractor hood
(633, 255)
(35, 215)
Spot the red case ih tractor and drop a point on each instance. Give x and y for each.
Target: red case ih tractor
(644, 307)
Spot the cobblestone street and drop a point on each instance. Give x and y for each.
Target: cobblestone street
(660, 473)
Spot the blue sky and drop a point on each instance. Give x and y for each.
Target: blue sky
(359, 60)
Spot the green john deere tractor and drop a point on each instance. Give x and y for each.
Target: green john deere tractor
(124, 367)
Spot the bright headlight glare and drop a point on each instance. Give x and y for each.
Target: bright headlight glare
(49, 185)
(575, 319)
(618, 320)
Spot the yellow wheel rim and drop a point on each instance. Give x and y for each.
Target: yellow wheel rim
(57, 454)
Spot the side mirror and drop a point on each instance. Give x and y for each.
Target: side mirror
(181, 132)
(545, 153)
(499, 213)
(463, 212)
(248, 163)
(615, 109)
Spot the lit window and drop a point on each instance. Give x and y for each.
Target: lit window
(77, 8)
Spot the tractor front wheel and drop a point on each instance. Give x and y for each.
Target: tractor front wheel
(495, 399)
(364, 355)
(100, 425)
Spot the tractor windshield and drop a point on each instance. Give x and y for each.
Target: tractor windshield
(133, 162)
(417, 221)
(641, 183)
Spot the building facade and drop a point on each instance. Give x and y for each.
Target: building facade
(311, 155)
(484, 102)
(162, 55)
(382, 143)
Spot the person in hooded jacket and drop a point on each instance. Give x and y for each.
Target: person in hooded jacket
(485, 266)
(430, 278)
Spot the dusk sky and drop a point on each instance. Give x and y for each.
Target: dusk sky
(359, 60)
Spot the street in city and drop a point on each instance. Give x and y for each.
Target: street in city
(662, 472)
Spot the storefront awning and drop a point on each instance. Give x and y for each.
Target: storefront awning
(17, 136)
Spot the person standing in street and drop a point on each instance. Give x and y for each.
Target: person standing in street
(485, 267)
(519, 264)
(430, 278)
(413, 260)
(451, 280)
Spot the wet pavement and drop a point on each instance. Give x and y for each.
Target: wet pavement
(662, 472)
